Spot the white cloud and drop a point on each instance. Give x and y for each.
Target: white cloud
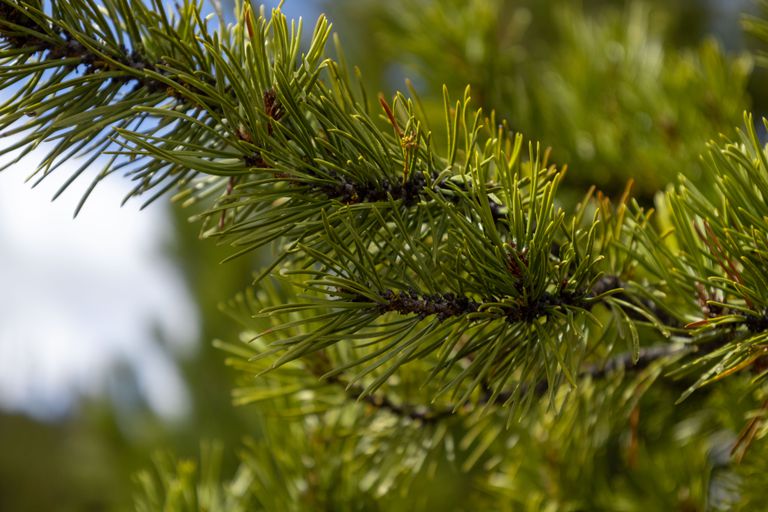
(77, 296)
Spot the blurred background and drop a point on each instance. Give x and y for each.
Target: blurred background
(107, 319)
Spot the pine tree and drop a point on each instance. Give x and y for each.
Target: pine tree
(436, 322)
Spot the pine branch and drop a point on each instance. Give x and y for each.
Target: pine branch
(62, 44)
(77, 78)
(627, 362)
(381, 402)
(312, 139)
(327, 173)
(610, 283)
(449, 305)
(518, 303)
(715, 264)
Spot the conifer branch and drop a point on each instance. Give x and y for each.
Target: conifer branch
(514, 257)
(610, 283)
(449, 305)
(381, 402)
(77, 69)
(627, 362)
(62, 44)
(367, 217)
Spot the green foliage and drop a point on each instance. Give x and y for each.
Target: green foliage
(621, 107)
(78, 83)
(432, 308)
(717, 257)
(182, 485)
(606, 92)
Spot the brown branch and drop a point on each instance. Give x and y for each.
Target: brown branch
(449, 305)
(623, 362)
(381, 401)
(320, 365)
(426, 415)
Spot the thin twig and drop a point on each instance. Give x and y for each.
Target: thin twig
(623, 362)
